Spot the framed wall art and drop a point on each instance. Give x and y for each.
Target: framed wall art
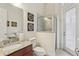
(30, 27)
(30, 17)
(8, 23)
(14, 24)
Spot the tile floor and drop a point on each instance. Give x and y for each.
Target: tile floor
(60, 52)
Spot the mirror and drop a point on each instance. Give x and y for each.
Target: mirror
(15, 19)
(44, 24)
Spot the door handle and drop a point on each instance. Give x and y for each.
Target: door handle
(64, 33)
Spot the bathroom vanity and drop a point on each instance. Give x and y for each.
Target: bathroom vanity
(26, 51)
(23, 48)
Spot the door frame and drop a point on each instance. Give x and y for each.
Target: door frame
(55, 30)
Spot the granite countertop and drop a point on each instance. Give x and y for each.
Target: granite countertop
(12, 48)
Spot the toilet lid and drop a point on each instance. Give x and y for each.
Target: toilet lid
(39, 49)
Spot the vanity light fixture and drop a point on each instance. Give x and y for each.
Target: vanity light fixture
(16, 4)
(46, 19)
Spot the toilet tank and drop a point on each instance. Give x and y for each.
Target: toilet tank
(33, 41)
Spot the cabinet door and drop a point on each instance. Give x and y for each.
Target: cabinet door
(26, 51)
(3, 22)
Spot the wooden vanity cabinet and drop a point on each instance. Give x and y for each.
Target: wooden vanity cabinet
(26, 51)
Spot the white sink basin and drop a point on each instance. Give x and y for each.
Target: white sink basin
(12, 47)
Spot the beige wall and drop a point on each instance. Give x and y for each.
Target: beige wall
(49, 9)
(33, 7)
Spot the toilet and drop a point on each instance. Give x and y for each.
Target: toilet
(37, 50)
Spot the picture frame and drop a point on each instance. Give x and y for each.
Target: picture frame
(30, 27)
(14, 24)
(8, 23)
(30, 17)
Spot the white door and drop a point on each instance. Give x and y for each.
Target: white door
(3, 22)
(70, 35)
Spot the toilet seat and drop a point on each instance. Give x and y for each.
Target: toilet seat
(39, 51)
